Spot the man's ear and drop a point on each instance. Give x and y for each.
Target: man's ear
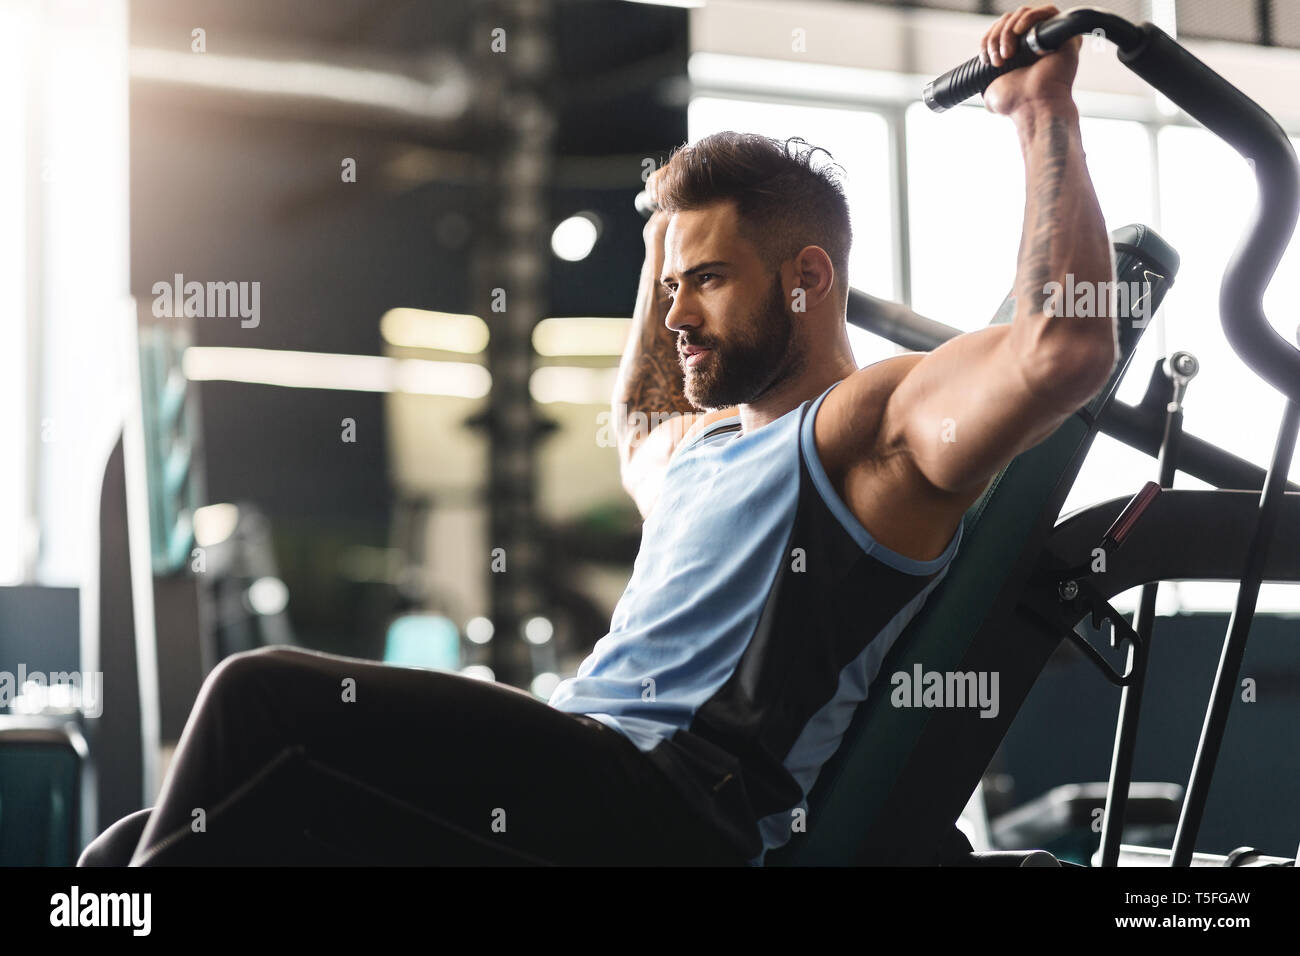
(812, 279)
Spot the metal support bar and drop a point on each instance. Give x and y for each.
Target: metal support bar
(1234, 647)
(1181, 368)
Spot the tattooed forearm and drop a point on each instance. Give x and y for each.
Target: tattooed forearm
(1037, 241)
(1064, 243)
(1063, 231)
(650, 383)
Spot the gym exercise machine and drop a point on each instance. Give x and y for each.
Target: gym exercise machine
(1065, 584)
(1024, 579)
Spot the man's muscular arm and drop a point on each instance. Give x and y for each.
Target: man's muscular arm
(1005, 388)
(977, 401)
(1063, 232)
(954, 417)
(650, 378)
(650, 410)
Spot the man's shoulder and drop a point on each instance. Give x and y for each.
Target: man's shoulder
(848, 422)
(878, 483)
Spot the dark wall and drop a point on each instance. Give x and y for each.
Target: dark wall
(40, 629)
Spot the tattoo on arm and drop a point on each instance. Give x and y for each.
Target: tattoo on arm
(655, 382)
(1064, 243)
(1037, 240)
(651, 385)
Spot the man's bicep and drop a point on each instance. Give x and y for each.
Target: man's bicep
(966, 409)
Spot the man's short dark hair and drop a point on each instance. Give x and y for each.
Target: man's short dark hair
(784, 201)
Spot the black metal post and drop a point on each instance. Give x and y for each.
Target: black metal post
(1130, 701)
(1234, 646)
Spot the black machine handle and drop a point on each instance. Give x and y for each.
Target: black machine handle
(974, 76)
(1225, 111)
(1245, 126)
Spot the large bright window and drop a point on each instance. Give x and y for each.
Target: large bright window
(1207, 194)
(15, 35)
(64, 276)
(966, 231)
(966, 199)
(1227, 404)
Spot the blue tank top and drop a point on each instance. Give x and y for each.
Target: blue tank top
(757, 616)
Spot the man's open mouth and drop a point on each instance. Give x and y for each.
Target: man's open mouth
(694, 354)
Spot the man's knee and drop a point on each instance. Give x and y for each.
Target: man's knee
(238, 671)
(116, 845)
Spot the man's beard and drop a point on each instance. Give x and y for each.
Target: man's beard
(765, 352)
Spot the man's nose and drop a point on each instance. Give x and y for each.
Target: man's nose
(681, 315)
